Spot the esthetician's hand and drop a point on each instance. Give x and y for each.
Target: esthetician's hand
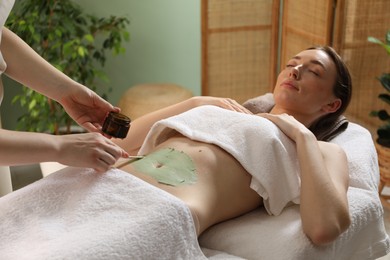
(87, 108)
(91, 150)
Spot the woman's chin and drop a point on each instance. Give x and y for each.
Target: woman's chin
(282, 97)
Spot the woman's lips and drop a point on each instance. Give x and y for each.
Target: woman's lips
(289, 84)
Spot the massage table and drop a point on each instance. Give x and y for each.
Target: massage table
(79, 214)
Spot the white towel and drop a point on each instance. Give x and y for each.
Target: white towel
(257, 143)
(80, 214)
(257, 235)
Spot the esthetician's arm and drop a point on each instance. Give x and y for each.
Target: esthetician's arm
(86, 107)
(27, 67)
(91, 150)
(141, 126)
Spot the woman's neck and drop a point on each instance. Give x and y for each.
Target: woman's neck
(305, 119)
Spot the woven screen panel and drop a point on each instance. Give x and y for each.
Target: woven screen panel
(366, 60)
(305, 23)
(365, 18)
(238, 53)
(233, 13)
(307, 16)
(296, 43)
(239, 64)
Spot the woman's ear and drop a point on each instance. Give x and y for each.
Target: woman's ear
(332, 106)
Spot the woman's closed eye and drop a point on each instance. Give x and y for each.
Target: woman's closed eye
(315, 73)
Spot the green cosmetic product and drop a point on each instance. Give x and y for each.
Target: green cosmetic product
(168, 166)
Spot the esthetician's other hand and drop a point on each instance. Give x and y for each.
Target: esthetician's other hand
(91, 150)
(87, 108)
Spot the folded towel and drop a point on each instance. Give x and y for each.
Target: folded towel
(264, 104)
(254, 141)
(80, 214)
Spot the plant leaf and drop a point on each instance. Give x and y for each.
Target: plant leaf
(374, 40)
(385, 98)
(383, 115)
(89, 38)
(377, 41)
(385, 81)
(384, 131)
(81, 51)
(32, 104)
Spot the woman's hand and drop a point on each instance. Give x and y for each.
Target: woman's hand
(226, 103)
(288, 124)
(90, 150)
(87, 108)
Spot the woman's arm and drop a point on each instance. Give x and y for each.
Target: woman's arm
(141, 126)
(324, 185)
(324, 182)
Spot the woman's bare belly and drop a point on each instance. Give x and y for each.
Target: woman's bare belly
(222, 189)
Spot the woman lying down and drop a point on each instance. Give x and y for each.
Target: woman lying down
(211, 160)
(216, 161)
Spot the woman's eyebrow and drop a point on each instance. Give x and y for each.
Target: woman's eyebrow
(317, 62)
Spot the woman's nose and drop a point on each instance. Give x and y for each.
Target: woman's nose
(294, 73)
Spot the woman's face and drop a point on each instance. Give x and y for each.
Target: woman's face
(305, 85)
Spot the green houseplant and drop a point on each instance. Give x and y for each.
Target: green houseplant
(384, 130)
(75, 43)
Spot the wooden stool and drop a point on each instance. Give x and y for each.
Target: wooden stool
(384, 169)
(142, 99)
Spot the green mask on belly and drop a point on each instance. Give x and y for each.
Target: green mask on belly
(168, 166)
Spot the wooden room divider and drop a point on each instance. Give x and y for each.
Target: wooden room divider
(305, 23)
(239, 47)
(359, 19)
(246, 42)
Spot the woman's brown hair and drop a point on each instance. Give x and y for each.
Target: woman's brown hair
(342, 89)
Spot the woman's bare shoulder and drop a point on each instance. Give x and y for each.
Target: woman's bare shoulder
(332, 151)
